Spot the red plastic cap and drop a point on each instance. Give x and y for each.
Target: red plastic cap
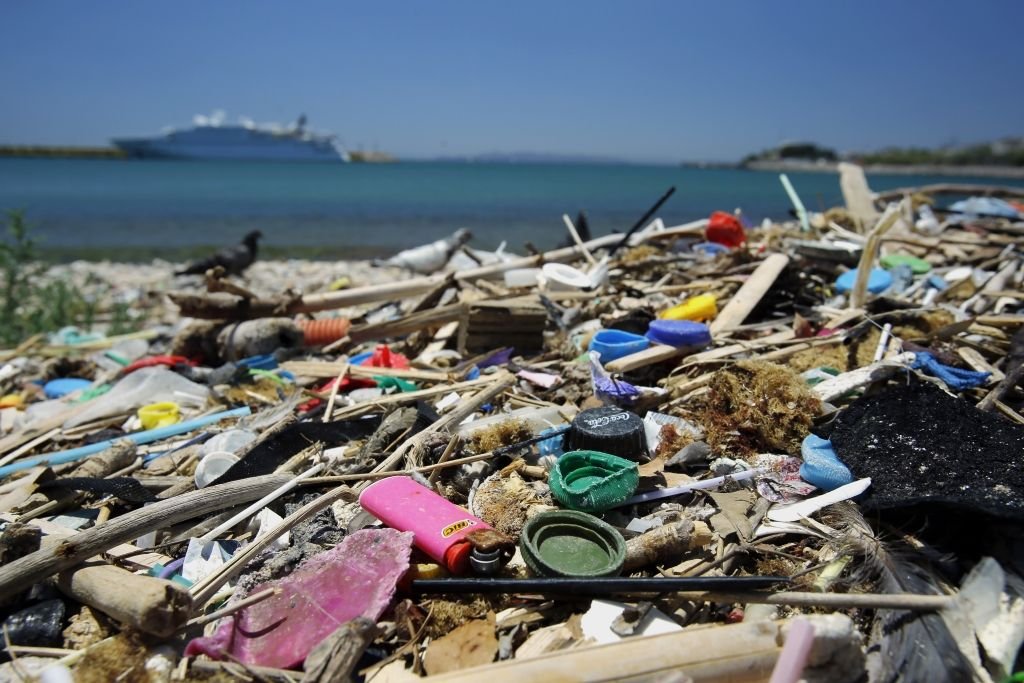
(724, 228)
(456, 558)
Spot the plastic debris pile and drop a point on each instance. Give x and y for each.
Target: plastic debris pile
(702, 452)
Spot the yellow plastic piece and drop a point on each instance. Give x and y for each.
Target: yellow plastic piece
(12, 401)
(159, 415)
(426, 570)
(343, 282)
(701, 307)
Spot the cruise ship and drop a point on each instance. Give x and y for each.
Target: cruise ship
(211, 138)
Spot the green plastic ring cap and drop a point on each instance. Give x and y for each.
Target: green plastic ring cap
(591, 481)
(570, 543)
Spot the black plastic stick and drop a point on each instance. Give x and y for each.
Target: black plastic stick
(643, 219)
(595, 586)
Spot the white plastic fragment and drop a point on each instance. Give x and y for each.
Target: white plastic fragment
(806, 508)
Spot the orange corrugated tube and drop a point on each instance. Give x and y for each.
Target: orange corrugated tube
(324, 330)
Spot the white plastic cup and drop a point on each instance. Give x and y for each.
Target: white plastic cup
(212, 465)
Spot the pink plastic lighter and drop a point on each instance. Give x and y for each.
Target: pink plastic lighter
(441, 529)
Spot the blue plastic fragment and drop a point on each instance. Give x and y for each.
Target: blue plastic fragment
(499, 357)
(58, 388)
(985, 206)
(957, 379)
(264, 362)
(679, 333)
(879, 280)
(615, 344)
(822, 467)
(902, 278)
(360, 357)
(553, 445)
(710, 248)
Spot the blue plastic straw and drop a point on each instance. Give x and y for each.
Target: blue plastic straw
(138, 438)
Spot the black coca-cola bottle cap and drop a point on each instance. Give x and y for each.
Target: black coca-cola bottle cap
(608, 429)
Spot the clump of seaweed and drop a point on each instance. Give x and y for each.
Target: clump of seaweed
(504, 433)
(121, 658)
(756, 406)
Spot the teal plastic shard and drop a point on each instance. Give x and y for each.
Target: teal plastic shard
(591, 481)
(570, 543)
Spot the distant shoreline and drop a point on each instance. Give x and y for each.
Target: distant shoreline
(889, 169)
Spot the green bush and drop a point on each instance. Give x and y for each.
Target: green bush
(28, 305)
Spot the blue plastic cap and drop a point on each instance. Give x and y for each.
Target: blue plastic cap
(879, 280)
(679, 333)
(614, 344)
(57, 388)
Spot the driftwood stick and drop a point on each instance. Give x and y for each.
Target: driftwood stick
(735, 652)
(144, 603)
(867, 258)
(233, 607)
(413, 322)
(71, 552)
(951, 188)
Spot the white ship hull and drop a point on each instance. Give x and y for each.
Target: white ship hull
(234, 143)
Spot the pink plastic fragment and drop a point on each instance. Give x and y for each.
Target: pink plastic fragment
(541, 379)
(356, 578)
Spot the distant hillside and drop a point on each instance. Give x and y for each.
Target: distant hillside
(803, 152)
(1005, 152)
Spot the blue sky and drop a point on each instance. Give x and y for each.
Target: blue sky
(643, 80)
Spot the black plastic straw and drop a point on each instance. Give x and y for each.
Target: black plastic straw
(595, 586)
(643, 219)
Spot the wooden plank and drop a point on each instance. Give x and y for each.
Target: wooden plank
(750, 294)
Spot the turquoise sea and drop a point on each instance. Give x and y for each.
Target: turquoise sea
(141, 209)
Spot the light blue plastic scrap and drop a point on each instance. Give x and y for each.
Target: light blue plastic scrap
(822, 467)
(138, 438)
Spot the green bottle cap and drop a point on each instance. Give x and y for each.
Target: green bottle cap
(570, 543)
(592, 481)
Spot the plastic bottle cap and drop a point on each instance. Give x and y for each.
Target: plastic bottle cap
(57, 388)
(159, 415)
(592, 481)
(614, 344)
(569, 543)
(679, 333)
(608, 429)
(212, 465)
